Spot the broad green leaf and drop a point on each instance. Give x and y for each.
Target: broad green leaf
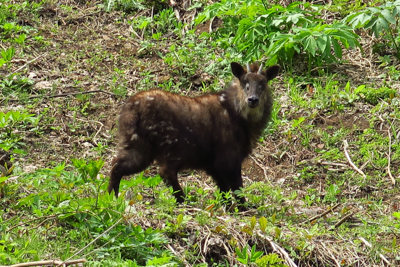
(371, 24)
(388, 16)
(253, 222)
(294, 18)
(337, 48)
(380, 26)
(310, 45)
(263, 224)
(322, 43)
(179, 219)
(360, 20)
(374, 10)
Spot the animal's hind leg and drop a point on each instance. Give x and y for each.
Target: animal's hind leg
(170, 177)
(128, 161)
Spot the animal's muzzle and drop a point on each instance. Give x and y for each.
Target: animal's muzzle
(253, 101)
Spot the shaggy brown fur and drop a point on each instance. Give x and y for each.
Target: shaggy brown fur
(213, 132)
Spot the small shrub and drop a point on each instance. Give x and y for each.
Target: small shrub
(373, 96)
(380, 20)
(279, 32)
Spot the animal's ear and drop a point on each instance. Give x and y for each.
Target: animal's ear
(271, 72)
(237, 70)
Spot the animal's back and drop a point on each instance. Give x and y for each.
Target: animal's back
(189, 132)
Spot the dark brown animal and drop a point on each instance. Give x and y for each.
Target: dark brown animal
(213, 132)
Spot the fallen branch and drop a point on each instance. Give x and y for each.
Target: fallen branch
(67, 94)
(91, 242)
(278, 249)
(26, 222)
(339, 223)
(322, 214)
(261, 166)
(389, 155)
(29, 62)
(47, 263)
(76, 93)
(345, 146)
(370, 246)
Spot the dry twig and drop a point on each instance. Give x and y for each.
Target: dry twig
(47, 263)
(261, 166)
(29, 62)
(91, 242)
(389, 155)
(345, 146)
(278, 249)
(370, 246)
(342, 220)
(322, 214)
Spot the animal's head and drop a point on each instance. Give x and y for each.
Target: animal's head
(254, 81)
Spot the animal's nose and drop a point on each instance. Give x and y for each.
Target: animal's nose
(253, 100)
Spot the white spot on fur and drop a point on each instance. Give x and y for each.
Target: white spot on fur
(134, 137)
(222, 98)
(150, 98)
(151, 128)
(136, 102)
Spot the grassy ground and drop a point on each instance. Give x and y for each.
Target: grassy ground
(324, 177)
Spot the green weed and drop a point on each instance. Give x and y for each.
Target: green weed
(380, 20)
(280, 32)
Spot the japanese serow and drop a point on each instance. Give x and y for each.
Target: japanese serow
(212, 132)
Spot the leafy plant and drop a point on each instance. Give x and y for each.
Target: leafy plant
(382, 19)
(373, 96)
(270, 260)
(6, 55)
(280, 32)
(248, 258)
(331, 192)
(86, 169)
(157, 25)
(11, 120)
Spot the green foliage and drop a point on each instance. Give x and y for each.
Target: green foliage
(345, 7)
(270, 260)
(373, 96)
(380, 20)
(11, 252)
(124, 5)
(157, 25)
(86, 169)
(280, 32)
(331, 193)
(248, 258)
(397, 221)
(6, 55)
(14, 119)
(82, 212)
(14, 84)
(130, 6)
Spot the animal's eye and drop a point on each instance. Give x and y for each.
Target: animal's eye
(247, 86)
